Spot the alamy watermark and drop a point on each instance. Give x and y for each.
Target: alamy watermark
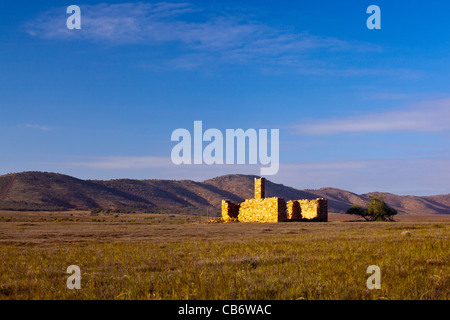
(74, 281)
(189, 149)
(74, 20)
(374, 21)
(374, 281)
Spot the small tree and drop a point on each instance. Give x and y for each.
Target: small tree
(379, 210)
(376, 210)
(357, 210)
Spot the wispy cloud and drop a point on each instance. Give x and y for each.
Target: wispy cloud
(419, 176)
(147, 162)
(115, 23)
(34, 126)
(120, 162)
(198, 35)
(429, 116)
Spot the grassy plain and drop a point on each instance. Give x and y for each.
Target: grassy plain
(151, 256)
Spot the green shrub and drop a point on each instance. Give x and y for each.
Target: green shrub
(376, 210)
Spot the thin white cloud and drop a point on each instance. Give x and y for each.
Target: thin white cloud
(116, 23)
(35, 126)
(120, 162)
(429, 116)
(149, 162)
(218, 37)
(420, 176)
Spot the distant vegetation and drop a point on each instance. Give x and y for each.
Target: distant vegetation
(376, 210)
(30, 206)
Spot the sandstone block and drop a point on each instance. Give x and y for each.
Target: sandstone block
(263, 210)
(230, 210)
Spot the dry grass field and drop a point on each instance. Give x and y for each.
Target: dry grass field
(150, 256)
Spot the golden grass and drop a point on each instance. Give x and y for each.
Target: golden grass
(178, 259)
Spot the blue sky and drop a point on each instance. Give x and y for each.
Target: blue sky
(358, 109)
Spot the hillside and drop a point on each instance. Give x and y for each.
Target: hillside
(53, 191)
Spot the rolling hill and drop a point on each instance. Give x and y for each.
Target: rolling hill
(53, 191)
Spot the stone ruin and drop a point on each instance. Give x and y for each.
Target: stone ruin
(262, 209)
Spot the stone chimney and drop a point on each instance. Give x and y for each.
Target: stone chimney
(260, 188)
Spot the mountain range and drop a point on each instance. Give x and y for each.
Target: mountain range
(53, 191)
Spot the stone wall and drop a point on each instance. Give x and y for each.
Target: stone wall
(293, 210)
(275, 209)
(314, 209)
(322, 213)
(230, 210)
(263, 210)
(260, 188)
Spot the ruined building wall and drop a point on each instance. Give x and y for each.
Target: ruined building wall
(230, 210)
(322, 213)
(263, 210)
(314, 209)
(293, 210)
(260, 188)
